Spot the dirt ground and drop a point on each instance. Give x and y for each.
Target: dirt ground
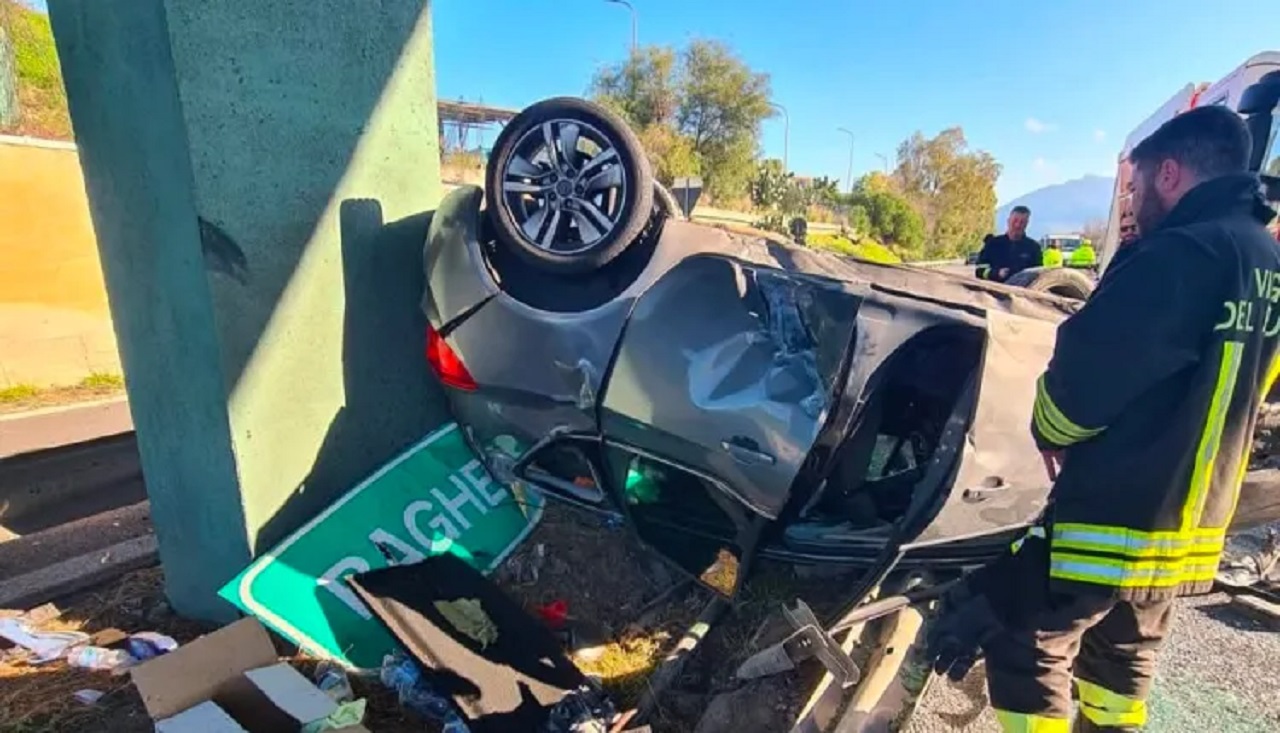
(23, 398)
(642, 608)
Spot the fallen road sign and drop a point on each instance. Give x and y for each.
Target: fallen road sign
(434, 498)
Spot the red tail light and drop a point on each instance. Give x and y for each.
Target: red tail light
(445, 363)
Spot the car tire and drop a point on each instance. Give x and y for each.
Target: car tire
(568, 214)
(1055, 280)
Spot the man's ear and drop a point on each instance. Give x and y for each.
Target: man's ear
(1169, 176)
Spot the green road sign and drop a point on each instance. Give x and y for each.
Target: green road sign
(434, 498)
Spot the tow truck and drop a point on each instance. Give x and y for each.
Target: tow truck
(1252, 89)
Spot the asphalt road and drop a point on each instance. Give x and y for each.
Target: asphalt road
(1219, 671)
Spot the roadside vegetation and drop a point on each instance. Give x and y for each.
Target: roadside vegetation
(22, 397)
(29, 71)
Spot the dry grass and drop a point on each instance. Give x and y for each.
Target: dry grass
(24, 397)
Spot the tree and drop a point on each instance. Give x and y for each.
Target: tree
(770, 184)
(892, 220)
(644, 89)
(951, 186)
(706, 105)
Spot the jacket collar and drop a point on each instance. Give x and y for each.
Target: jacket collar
(1234, 194)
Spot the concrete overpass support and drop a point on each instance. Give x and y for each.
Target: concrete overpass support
(256, 174)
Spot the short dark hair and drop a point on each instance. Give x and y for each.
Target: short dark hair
(1020, 210)
(1211, 141)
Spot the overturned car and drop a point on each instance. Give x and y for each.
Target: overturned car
(729, 396)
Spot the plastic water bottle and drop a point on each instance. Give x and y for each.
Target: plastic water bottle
(332, 681)
(99, 658)
(402, 675)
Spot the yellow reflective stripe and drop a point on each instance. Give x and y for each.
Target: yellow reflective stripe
(1051, 415)
(1211, 435)
(1106, 708)
(1132, 573)
(1048, 429)
(1268, 382)
(1024, 723)
(1136, 543)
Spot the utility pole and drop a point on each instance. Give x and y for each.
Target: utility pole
(850, 174)
(786, 133)
(634, 45)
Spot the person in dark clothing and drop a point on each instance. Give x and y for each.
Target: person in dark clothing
(1146, 414)
(1010, 253)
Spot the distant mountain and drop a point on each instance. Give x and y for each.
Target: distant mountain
(1063, 207)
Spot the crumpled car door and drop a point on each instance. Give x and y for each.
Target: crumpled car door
(728, 369)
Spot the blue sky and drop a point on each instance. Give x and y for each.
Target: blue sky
(1050, 87)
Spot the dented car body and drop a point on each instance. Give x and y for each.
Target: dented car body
(733, 396)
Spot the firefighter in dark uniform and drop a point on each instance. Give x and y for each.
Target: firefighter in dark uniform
(1010, 253)
(1147, 409)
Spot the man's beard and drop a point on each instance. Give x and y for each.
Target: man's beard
(1150, 215)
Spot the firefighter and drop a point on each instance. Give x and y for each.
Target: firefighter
(1149, 454)
(1010, 253)
(1052, 255)
(1084, 256)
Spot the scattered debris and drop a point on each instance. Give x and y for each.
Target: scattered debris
(332, 681)
(231, 680)
(1251, 558)
(1259, 608)
(44, 646)
(100, 658)
(88, 697)
(399, 673)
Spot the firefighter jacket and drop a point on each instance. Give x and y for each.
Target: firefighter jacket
(1153, 390)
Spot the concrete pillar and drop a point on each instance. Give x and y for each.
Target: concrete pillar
(257, 173)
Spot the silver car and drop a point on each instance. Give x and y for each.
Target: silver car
(728, 396)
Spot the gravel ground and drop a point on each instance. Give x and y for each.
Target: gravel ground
(1220, 671)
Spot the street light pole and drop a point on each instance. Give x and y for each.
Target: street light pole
(850, 174)
(786, 133)
(885, 162)
(634, 46)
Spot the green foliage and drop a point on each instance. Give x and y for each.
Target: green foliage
(889, 218)
(951, 186)
(42, 100)
(865, 249)
(698, 110)
(770, 185)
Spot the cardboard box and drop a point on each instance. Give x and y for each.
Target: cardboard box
(230, 681)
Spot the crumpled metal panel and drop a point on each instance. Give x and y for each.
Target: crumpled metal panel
(457, 278)
(728, 369)
(1001, 482)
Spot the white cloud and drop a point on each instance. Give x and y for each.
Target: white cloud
(1036, 127)
(1099, 135)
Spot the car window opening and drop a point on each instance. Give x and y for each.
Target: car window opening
(885, 459)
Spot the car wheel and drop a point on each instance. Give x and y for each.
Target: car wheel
(1055, 280)
(569, 186)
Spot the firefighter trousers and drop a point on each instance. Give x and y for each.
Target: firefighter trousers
(1106, 646)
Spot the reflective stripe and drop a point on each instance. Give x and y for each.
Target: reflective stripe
(983, 269)
(1121, 573)
(1106, 708)
(1136, 543)
(1268, 382)
(1036, 531)
(1053, 424)
(1211, 436)
(1024, 723)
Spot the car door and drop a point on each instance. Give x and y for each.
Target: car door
(728, 370)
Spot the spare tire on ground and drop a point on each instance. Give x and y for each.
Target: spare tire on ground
(1056, 280)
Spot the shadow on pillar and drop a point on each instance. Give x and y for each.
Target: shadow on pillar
(384, 336)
